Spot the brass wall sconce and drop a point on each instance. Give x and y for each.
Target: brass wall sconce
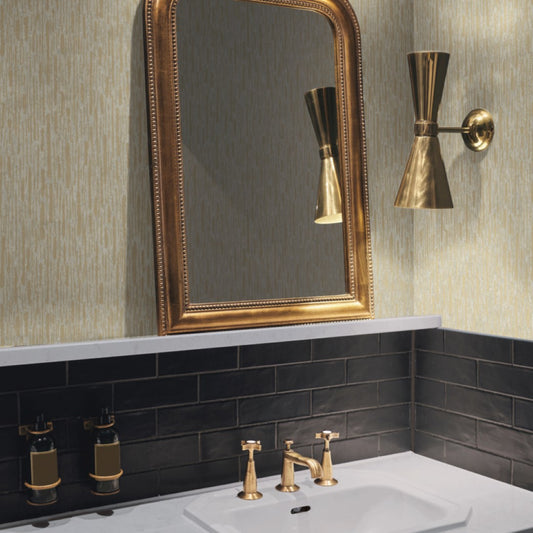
(322, 106)
(424, 184)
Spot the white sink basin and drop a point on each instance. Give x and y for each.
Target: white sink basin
(362, 502)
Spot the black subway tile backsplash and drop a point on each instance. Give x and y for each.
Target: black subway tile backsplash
(479, 403)
(310, 375)
(524, 415)
(26, 377)
(276, 353)
(221, 444)
(506, 442)
(274, 407)
(155, 392)
(378, 367)
(181, 416)
(191, 361)
(523, 353)
(8, 409)
(345, 346)
(377, 420)
(111, 369)
(194, 418)
(348, 397)
(478, 346)
(510, 380)
(478, 461)
(447, 368)
(445, 424)
(237, 383)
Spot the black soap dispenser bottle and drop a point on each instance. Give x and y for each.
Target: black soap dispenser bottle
(43, 474)
(105, 471)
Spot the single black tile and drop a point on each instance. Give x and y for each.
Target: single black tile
(238, 383)
(523, 353)
(524, 414)
(199, 476)
(38, 376)
(310, 375)
(304, 431)
(136, 425)
(478, 346)
(446, 424)
(13, 507)
(111, 369)
(395, 342)
(378, 367)
(11, 445)
(194, 418)
(479, 462)
(430, 340)
(221, 444)
(162, 453)
(345, 398)
(429, 392)
(344, 451)
(429, 446)
(505, 442)
(377, 420)
(9, 476)
(479, 404)
(65, 402)
(278, 407)
(74, 466)
(8, 410)
(395, 442)
(446, 368)
(394, 391)
(155, 392)
(345, 346)
(190, 361)
(511, 380)
(523, 475)
(276, 353)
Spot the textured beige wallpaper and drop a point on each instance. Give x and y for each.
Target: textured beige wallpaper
(474, 264)
(75, 237)
(75, 216)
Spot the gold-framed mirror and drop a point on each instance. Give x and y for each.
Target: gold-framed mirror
(181, 61)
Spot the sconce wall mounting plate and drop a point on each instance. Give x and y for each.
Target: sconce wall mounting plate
(424, 184)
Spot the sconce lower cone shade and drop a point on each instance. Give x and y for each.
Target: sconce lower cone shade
(322, 106)
(424, 184)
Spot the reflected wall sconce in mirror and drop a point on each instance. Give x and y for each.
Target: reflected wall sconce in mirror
(424, 184)
(322, 106)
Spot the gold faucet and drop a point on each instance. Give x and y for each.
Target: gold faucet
(290, 458)
(327, 479)
(250, 491)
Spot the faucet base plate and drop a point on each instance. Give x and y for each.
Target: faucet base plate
(249, 495)
(287, 488)
(326, 482)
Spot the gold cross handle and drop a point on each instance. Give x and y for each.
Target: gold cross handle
(250, 491)
(327, 479)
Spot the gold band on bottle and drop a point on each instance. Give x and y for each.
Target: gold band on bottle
(107, 478)
(43, 487)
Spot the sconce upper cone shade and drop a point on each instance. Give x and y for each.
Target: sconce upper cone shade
(424, 184)
(322, 106)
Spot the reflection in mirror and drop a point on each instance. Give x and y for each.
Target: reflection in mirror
(250, 158)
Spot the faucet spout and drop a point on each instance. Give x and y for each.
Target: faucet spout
(315, 468)
(291, 458)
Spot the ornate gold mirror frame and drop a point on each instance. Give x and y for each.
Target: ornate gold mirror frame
(176, 313)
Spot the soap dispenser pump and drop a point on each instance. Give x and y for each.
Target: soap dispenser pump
(105, 462)
(43, 473)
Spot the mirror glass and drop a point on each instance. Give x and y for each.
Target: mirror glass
(250, 156)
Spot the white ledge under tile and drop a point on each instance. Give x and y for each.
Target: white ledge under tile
(47, 353)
